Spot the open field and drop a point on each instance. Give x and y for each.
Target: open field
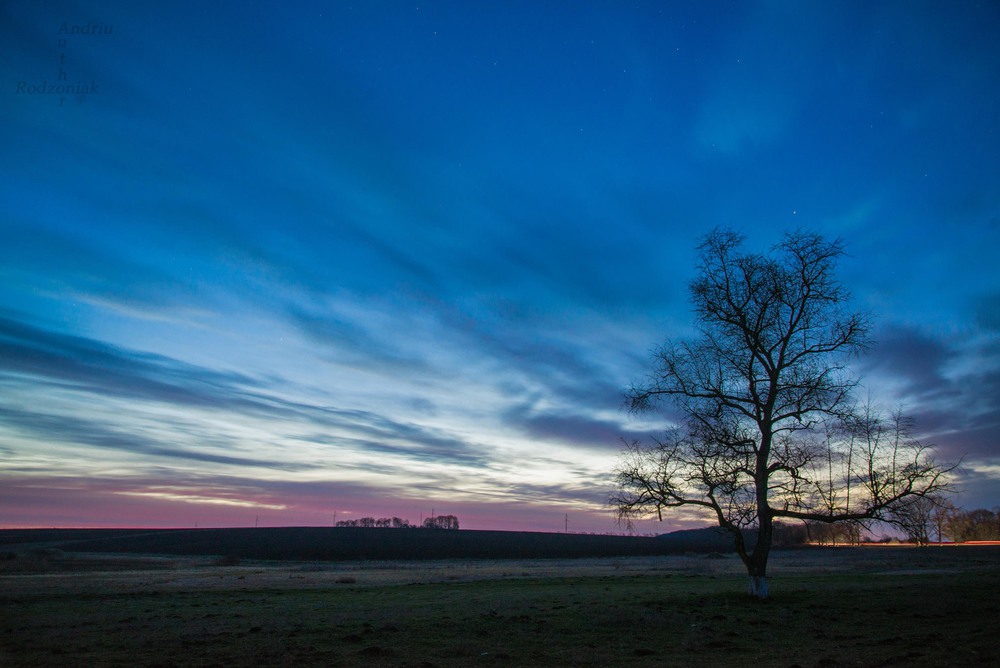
(874, 606)
(338, 544)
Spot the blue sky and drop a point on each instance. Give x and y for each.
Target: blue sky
(288, 260)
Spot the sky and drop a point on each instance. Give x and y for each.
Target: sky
(286, 264)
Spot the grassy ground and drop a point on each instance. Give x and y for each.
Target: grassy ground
(841, 608)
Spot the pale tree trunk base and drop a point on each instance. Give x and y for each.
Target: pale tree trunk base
(758, 586)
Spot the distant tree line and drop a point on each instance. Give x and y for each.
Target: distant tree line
(380, 523)
(967, 525)
(923, 520)
(435, 522)
(847, 533)
(441, 522)
(789, 534)
(932, 518)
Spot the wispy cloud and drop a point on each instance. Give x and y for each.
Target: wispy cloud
(82, 431)
(950, 384)
(199, 498)
(94, 366)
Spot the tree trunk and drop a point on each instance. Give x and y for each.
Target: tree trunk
(758, 587)
(756, 563)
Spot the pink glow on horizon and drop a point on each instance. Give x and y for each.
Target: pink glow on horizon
(76, 503)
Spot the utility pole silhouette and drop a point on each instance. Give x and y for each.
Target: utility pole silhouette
(566, 529)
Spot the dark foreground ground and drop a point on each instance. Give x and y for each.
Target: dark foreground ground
(873, 606)
(327, 543)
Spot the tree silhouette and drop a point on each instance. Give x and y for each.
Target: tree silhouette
(767, 424)
(916, 517)
(972, 525)
(441, 522)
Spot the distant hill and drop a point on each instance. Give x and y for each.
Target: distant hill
(708, 539)
(340, 543)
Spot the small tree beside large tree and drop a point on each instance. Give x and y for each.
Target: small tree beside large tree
(766, 424)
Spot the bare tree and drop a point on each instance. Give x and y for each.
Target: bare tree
(767, 424)
(441, 522)
(915, 516)
(944, 510)
(824, 533)
(973, 525)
